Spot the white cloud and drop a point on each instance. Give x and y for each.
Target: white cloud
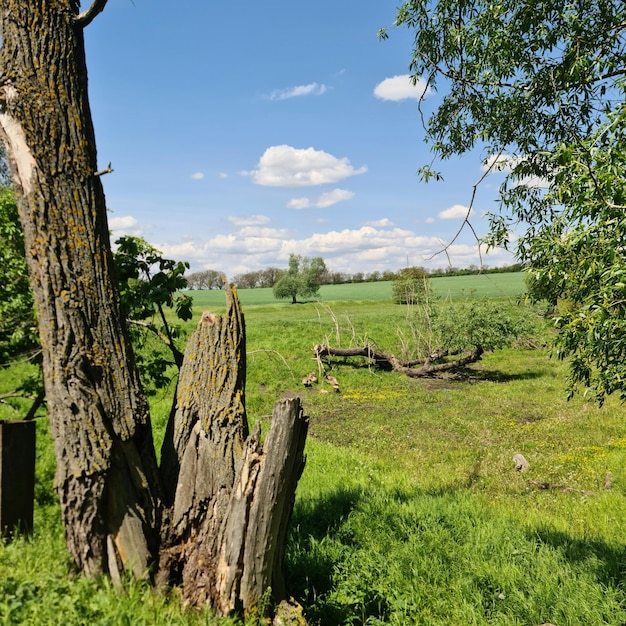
(125, 225)
(364, 249)
(430, 220)
(332, 197)
(401, 88)
(506, 163)
(323, 201)
(248, 220)
(222, 175)
(457, 211)
(122, 223)
(312, 89)
(299, 203)
(197, 176)
(284, 166)
(380, 223)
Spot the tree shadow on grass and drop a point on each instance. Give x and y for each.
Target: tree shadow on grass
(310, 564)
(322, 547)
(495, 376)
(609, 561)
(455, 378)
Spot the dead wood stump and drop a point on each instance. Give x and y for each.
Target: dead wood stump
(228, 499)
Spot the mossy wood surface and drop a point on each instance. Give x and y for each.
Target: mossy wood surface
(230, 499)
(106, 466)
(115, 513)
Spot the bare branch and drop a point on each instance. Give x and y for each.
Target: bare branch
(168, 341)
(466, 219)
(86, 17)
(274, 352)
(107, 170)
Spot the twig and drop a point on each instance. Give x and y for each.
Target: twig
(86, 17)
(278, 354)
(168, 341)
(107, 170)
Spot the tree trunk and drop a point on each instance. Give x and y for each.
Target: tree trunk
(219, 524)
(106, 466)
(229, 499)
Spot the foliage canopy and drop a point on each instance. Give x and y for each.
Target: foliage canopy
(410, 285)
(303, 278)
(18, 325)
(148, 283)
(539, 88)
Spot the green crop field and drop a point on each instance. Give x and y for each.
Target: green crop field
(410, 510)
(509, 285)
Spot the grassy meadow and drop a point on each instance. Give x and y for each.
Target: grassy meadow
(410, 509)
(453, 287)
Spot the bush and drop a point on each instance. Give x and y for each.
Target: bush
(411, 286)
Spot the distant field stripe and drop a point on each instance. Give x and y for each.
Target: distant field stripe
(506, 285)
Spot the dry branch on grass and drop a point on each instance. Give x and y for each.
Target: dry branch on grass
(433, 364)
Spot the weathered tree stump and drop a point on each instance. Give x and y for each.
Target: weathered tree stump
(228, 498)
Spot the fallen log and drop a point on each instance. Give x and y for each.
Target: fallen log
(433, 364)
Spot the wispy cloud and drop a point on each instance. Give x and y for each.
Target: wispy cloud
(248, 220)
(299, 203)
(312, 89)
(401, 88)
(323, 201)
(382, 223)
(197, 176)
(284, 166)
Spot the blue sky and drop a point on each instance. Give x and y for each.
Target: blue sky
(241, 132)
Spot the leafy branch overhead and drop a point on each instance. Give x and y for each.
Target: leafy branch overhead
(539, 88)
(148, 283)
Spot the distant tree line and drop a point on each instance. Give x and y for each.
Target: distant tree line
(268, 277)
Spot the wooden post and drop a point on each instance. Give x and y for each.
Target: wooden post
(17, 476)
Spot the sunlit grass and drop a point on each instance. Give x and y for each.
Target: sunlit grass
(410, 510)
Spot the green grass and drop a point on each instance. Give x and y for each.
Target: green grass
(509, 285)
(409, 510)
(505, 285)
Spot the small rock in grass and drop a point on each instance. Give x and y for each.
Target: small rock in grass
(521, 464)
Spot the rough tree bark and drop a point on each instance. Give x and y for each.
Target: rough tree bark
(227, 523)
(106, 466)
(217, 511)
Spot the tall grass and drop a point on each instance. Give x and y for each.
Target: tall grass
(410, 510)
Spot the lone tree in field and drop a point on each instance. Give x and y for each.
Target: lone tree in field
(540, 87)
(410, 286)
(303, 278)
(215, 514)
